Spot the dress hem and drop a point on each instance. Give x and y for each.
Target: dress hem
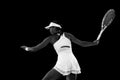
(64, 73)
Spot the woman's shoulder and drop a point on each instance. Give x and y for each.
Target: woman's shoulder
(68, 34)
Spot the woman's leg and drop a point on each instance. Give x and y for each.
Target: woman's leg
(52, 75)
(71, 77)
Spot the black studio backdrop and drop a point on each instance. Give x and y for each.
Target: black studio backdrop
(27, 28)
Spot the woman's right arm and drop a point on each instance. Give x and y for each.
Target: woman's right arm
(39, 46)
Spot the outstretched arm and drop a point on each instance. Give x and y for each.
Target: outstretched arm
(39, 46)
(82, 43)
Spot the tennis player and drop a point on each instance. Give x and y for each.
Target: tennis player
(67, 64)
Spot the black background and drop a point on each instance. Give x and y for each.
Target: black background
(25, 22)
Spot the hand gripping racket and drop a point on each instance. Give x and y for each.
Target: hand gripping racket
(106, 21)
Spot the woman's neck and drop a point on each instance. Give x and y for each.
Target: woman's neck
(58, 34)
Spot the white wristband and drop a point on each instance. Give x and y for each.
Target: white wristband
(26, 49)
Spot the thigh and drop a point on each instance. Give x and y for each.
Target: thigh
(71, 77)
(52, 75)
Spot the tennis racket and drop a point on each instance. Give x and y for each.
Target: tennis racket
(106, 21)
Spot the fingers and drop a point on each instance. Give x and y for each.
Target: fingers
(27, 48)
(23, 47)
(96, 42)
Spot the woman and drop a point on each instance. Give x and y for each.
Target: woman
(67, 65)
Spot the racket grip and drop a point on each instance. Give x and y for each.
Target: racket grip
(98, 38)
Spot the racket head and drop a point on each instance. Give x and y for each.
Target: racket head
(108, 18)
(106, 21)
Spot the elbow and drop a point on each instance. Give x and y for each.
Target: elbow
(86, 44)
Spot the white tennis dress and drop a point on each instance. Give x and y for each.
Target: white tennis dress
(66, 63)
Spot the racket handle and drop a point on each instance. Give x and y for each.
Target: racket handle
(98, 38)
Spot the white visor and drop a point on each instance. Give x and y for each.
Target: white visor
(53, 24)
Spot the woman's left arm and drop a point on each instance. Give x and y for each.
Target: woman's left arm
(82, 43)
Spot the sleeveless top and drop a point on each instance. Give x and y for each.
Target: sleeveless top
(66, 62)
